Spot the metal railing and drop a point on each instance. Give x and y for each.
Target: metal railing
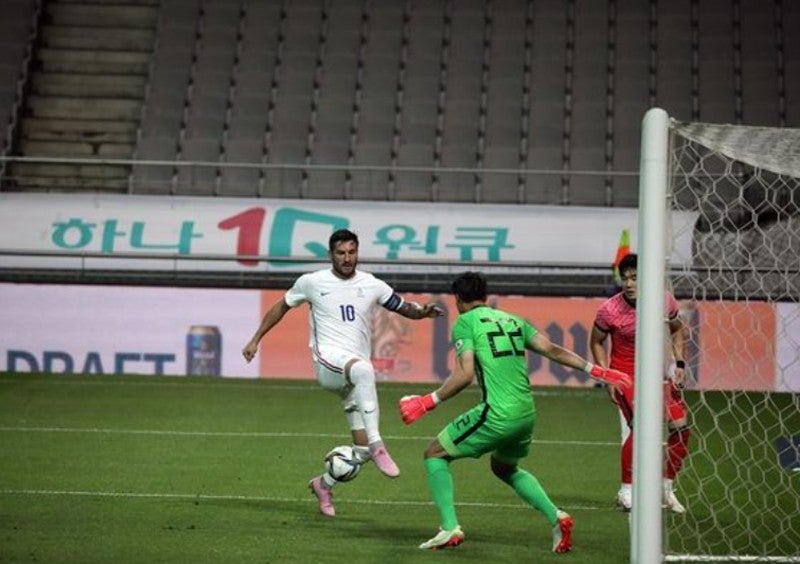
(477, 178)
(225, 270)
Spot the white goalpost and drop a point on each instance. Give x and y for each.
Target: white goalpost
(734, 193)
(647, 461)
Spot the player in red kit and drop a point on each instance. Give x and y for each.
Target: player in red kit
(617, 318)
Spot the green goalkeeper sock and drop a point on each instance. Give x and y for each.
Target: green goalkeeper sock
(440, 484)
(528, 488)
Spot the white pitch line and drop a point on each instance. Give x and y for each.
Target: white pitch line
(727, 558)
(213, 497)
(254, 434)
(249, 383)
(173, 381)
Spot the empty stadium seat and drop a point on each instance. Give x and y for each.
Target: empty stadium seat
(501, 188)
(328, 184)
(448, 83)
(413, 185)
(369, 184)
(242, 181)
(791, 54)
(759, 73)
(198, 180)
(545, 188)
(457, 186)
(154, 179)
(284, 182)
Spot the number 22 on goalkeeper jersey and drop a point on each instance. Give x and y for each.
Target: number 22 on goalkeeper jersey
(498, 341)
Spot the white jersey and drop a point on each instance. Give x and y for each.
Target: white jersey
(340, 316)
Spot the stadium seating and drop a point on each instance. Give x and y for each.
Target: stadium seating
(86, 77)
(547, 85)
(789, 48)
(16, 32)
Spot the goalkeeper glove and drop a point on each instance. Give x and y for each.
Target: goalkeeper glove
(610, 376)
(414, 407)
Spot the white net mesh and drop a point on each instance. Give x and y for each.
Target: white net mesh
(740, 295)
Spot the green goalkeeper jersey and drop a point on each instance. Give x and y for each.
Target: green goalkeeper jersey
(498, 340)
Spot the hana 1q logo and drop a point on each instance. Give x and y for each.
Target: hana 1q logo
(289, 224)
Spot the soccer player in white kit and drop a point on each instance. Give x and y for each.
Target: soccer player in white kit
(341, 300)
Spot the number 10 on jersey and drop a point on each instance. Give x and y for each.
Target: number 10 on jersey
(348, 312)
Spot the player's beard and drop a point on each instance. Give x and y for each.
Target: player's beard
(345, 270)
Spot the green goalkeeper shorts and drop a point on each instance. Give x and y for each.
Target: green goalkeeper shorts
(475, 433)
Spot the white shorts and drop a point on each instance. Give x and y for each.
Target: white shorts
(329, 367)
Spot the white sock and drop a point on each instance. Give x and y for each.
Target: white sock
(363, 378)
(328, 480)
(362, 453)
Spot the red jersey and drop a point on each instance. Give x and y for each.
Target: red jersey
(618, 318)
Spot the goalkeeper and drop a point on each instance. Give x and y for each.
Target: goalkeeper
(490, 345)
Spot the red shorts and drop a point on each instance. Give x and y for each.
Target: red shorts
(674, 406)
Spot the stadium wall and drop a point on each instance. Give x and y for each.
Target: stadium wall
(66, 329)
(244, 228)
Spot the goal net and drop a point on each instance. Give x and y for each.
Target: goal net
(739, 293)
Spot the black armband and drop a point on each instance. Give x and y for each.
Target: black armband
(680, 364)
(393, 303)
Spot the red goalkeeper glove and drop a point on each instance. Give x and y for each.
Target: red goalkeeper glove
(414, 407)
(613, 377)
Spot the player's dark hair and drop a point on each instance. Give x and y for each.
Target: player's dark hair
(340, 236)
(470, 287)
(628, 262)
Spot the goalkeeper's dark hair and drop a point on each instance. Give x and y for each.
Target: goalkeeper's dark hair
(340, 236)
(628, 262)
(470, 287)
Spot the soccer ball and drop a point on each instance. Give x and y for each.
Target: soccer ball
(342, 463)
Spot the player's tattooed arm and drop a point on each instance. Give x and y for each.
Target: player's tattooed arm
(413, 310)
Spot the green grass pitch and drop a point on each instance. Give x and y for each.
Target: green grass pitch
(154, 469)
